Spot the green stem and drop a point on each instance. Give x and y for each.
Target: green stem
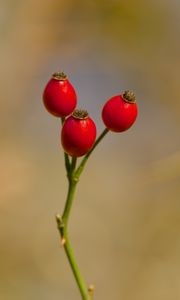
(84, 160)
(62, 227)
(79, 280)
(66, 156)
(71, 190)
(62, 222)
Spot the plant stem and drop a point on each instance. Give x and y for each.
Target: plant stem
(66, 156)
(79, 279)
(62, 222)
(71, 190)
(84, 160)
(62, 227)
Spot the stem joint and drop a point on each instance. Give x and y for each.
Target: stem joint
(60, 222)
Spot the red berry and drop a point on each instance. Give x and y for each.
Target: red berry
(120, 112)
(59, 96)
(78, 133)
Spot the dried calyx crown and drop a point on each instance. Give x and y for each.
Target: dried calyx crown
(129, 96)
(80, 114)
(59, 76)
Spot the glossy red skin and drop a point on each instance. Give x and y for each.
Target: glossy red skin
(119, 115)
(59, 97)
(78, 135)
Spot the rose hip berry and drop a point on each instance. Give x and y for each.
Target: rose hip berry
(78, 133)
(59, 96)
(120, 112)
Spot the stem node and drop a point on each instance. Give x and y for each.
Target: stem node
(75, 179)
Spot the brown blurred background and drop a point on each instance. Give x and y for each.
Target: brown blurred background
(125, 222)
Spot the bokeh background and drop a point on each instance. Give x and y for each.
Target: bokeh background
(125, 222)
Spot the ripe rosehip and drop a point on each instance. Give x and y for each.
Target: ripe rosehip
(59, 96)
(120, 112)
(78, 133)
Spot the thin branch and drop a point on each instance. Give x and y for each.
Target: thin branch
(84, 160)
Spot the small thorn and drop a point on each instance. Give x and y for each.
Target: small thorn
(91, 288)
(58, 218)
(59, 221)
(63, 241)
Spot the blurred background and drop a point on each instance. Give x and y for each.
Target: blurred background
(125, 220)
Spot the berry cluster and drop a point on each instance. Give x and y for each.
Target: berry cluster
(78, 138)
(78, 133)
